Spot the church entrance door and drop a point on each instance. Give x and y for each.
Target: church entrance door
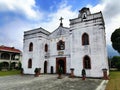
(45, 67)
(61, 63)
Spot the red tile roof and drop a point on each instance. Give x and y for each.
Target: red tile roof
(9, 49)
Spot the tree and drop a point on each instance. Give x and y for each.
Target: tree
(115, 38)
(116, 62)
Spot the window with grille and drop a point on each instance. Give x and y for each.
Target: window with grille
(61, 45)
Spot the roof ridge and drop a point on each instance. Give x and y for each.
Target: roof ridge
(9, 49)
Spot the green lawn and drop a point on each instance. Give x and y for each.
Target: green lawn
(114, 82)
(7, 73)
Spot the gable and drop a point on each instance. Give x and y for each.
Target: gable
(59, 31)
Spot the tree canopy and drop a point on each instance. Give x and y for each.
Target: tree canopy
(115, 38)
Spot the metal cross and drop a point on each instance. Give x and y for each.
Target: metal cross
(61, 19)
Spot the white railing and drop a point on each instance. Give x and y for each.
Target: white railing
(8, 60)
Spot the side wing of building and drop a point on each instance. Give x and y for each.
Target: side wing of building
(33, 49)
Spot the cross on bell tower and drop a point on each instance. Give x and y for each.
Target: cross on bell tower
(61, 24)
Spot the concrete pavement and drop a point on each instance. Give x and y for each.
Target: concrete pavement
(47, 82)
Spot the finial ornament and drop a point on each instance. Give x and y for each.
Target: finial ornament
(61, 24)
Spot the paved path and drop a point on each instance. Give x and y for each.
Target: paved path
(46, 82)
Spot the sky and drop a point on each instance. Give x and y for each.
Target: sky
(17, 16)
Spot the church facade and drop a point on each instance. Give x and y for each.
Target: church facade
(81, 46)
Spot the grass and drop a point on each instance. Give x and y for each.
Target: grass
(114, 82)
(7, 73)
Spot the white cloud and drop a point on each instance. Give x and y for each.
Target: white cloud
(24, 7)
(11, 34)
(13, 31)
(110, 10)
(64, 11)
(97, 8)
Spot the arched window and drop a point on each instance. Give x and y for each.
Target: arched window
(46, 47)
(86, 62)
(85, 39)
(31, 46)
(61, 45)
(30, 63)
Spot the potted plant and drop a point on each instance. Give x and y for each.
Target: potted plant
(83, 74)
(105, 77)
(72, 73)
(36, 72)
(60, 71)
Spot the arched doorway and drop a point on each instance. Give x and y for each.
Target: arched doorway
(45, 67)
(30, 63)
(61, 63)
(51, 69)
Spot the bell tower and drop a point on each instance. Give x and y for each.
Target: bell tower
(84, 12)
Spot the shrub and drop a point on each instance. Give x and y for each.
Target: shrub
(60, 70)
(36, 70)
(1, 65)
(83, 72)
(19, 66)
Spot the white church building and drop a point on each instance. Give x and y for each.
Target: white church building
(82, 45)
